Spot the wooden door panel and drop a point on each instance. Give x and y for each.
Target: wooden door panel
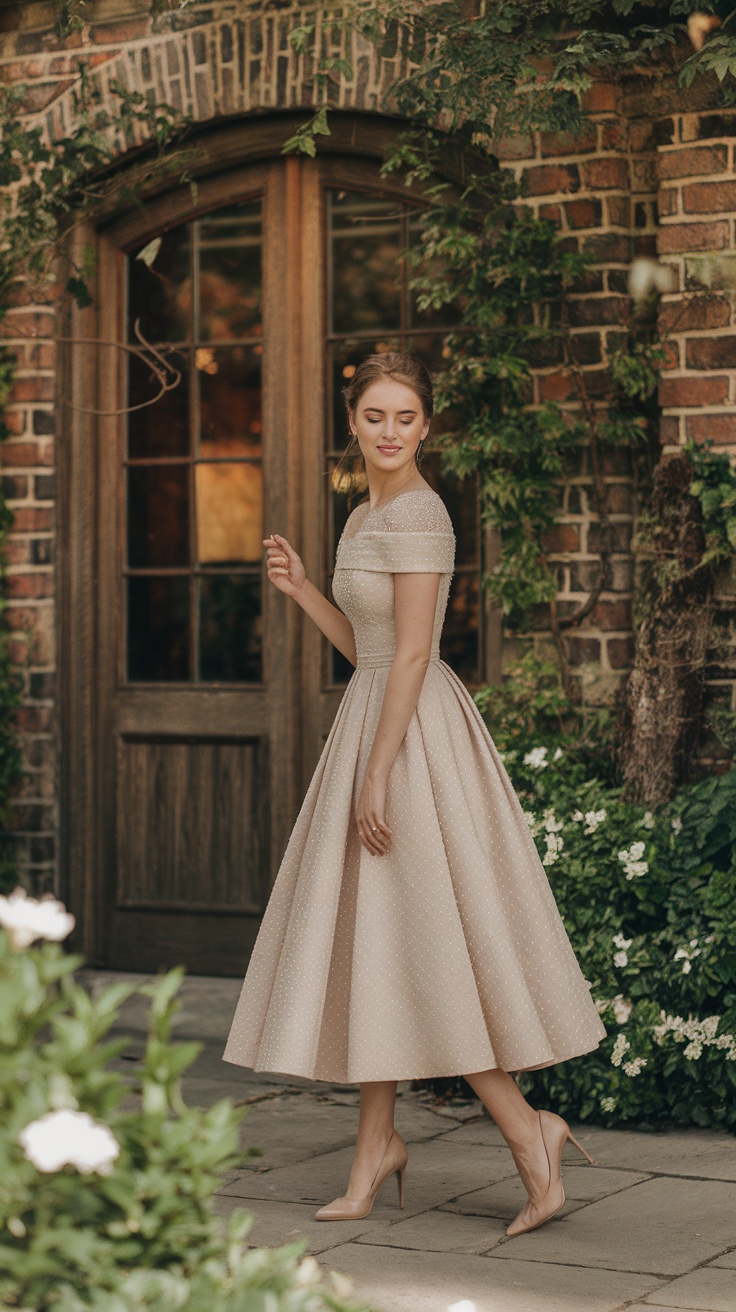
(193, 824)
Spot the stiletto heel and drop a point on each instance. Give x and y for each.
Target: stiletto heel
(579, 1146)
(394, 1159)
(535, 1214)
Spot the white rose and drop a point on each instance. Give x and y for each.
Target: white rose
(68, 1138)
(25, 919)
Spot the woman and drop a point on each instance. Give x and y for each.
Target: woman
(411, 931)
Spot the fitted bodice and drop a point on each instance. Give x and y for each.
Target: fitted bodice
(410, 533)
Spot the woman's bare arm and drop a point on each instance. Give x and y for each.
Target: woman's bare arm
(286, 571)
(415, 597)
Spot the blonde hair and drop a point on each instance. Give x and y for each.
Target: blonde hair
(349, 473)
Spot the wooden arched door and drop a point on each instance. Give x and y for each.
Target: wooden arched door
(210, 693)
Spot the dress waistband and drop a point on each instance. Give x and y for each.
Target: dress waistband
(371, 662)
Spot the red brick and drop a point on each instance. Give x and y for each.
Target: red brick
(693, 391)
(562, 537)
(553, 213)
(15, 421)
(619, 211)
(696, 312)
(514, 146)
(35, 719)
(612, 614)
(667, 200)
(620, 652)
(20, 454)
(720, 428)
(671, 356)
(619, 498)
(644, 244)
(669, 430)
(26, 519)
(40, 584)
(711, 353)
(38, 388)
(584, 651)
(600, 98)
(709, 197)
(18, 649)
(584, 213)
(546, 179)
(31, 323)
(21, 619)
(608, 248)
(613, 136)
(586, 312)
(18, 551)
(693, 160)
(606, 173)
(129, 29)
(678, 237)
(569, 143)
(555, 387)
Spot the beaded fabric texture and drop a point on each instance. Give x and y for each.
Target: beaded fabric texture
(447, 955)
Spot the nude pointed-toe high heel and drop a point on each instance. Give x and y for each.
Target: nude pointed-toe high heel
(394, 1159)
(555, 1132)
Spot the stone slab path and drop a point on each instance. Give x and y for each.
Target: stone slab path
(650, 1228)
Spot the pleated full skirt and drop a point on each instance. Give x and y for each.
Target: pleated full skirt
(444, 957)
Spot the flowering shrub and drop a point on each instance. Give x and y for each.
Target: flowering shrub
(110, 1209)
(649, 901)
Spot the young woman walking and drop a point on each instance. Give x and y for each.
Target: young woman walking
(411, 931)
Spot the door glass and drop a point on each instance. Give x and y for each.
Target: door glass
(193, 468)
(371, 310)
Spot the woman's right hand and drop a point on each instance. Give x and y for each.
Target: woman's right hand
(285, 568)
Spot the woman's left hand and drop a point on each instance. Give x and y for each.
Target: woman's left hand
(370, 812)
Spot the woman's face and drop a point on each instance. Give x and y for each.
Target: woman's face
(389, 422)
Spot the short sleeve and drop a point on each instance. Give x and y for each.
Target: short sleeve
(411, 534)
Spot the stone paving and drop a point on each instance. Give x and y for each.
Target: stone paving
(650, 1228)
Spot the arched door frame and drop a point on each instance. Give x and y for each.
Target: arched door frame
(229, 160)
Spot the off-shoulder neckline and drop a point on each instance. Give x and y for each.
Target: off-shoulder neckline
(410, 492)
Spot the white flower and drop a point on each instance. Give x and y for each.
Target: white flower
(536, 758)
(593, 819)
(558, 754)
(608, 1104)
(700, 1033)
(25, 919)
(578, 815)
(686, 955)
(622, 942)
(342, 1285)
(647, 820)
(620, 1047)
(647, 275)
(631, 860)
(308, 1272)
(531, 820)
(602, 1004)
(550, 821)
(69, 1138)
(634, 1066)
(555, 845)
(465, 1305)
(622, 1008)
(620, 959)
(677, 824)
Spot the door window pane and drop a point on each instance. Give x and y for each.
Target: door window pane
(231, 633)
(161, 429)
(366, 245)
(230, 274)
(229, 512)
(229, 380)
(158, 515)
(160, 290)
(202, 510)
(158, 628)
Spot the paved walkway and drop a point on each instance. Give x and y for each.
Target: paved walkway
(651, 1227)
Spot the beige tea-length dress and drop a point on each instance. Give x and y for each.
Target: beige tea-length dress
(447, 955)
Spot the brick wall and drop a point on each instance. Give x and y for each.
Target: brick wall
(649, 175)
